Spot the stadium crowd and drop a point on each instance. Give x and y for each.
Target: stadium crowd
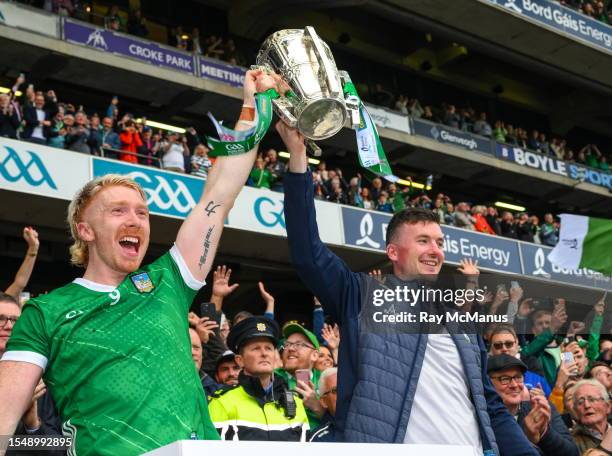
(553, 375)
(39, 117)
(597, 9)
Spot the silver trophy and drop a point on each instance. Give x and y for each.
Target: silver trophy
(318, 108)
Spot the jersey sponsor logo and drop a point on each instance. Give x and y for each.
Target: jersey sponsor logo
(115, 296)
(73, 313)
(142, 282)
(34, 172)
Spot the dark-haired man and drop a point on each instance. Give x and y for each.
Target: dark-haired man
(395, 387)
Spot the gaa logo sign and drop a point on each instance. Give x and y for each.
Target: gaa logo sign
(14, 168)
(165, 192)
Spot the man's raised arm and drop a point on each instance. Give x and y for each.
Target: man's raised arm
(200, 233)
(323, 273)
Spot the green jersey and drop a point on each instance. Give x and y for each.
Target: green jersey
(117, 360)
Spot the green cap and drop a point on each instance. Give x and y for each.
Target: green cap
(292, 328)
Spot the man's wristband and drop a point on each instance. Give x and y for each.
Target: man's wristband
(247, 113)
(33, 254)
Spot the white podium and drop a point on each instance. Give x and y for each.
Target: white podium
(244, 448)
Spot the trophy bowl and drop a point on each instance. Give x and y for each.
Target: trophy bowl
(315, 105)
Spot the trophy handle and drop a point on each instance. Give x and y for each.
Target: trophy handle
(352, 102)
(332, 83)
(284, 109)
(313, 148)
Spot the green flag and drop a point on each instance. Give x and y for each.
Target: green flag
(584, 242)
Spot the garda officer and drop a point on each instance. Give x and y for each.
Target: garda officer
(261, 406)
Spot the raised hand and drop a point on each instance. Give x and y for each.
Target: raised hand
(205, 327)
(221, 278)
(376, 274)
(468, 267)
(31, 237)
(516, 293)
(331, 335)
(267, 297)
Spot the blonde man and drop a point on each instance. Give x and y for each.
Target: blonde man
(114, 345)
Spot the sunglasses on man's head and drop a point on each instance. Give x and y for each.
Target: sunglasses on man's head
(508, 344)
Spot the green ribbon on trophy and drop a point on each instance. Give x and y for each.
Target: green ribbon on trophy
(235, 142)
(370, 150)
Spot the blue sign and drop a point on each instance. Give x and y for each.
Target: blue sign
(223, 72)
(117, 43)
(536, 264)
(552, 165)
(563, 19)
(167, 193)
(367, 229)
(451, 136)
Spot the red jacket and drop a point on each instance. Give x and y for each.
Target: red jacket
(481, 225)
(130, 142)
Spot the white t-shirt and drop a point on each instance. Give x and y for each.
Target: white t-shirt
(442, 412)
(38, 131)
(174, 157)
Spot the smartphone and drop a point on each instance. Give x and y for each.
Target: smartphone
(514, 284)
(23, 297)
(302, 375)
(567, 357)
(208, 309)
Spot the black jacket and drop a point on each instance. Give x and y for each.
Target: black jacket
(557, 441)
(31, 122)
(326, 432)
(9, 123)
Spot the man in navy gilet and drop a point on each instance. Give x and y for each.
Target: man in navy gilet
(392, 387)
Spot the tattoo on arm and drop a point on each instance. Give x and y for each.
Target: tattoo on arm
(206, 247)
(210, 208)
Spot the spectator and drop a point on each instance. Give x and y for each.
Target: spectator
(499, 132)
(415, 109)
(507, 225)
(209, 386)
(260, 407)
(381, 96)
(260, 176)
(200, 163)
(451, 118)
(429, 115)
(173, 152)
(401, 104)
(9, 117)
(231, 54)
(78, 137)
(539, 419)
(544, 346)
(376, 188)
(130, 142)
(511, 135)
(113, 109)
(336, 193)
(108, 138)
(523, 228)
(398, 197)
(326, 359)
(493, 220)
(534, 141)
(383, 204)
(544, 146)
(603, 163)
(37, 121)
(482, 127)
(592, 407)
(276, 168)
(480, 221)
(137, 24)
(354, 191)
(213, 47)
(366, 200)
(505, 342)
(467, 120)
(534, 226)
(601, 372)
(300, 351)
(112, 20)
(327, 397)
(57, 131)
(227, 371)
(463, 219)
(149, 149)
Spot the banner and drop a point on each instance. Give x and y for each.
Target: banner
(41, 170)
(170, 194)
(367, 229)
(30, 19)
(451, 136)
(222, 72)
(553, 165)
(563, 19)
(117, 43)
(536, 264)
(388, 119)
(263, 211)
